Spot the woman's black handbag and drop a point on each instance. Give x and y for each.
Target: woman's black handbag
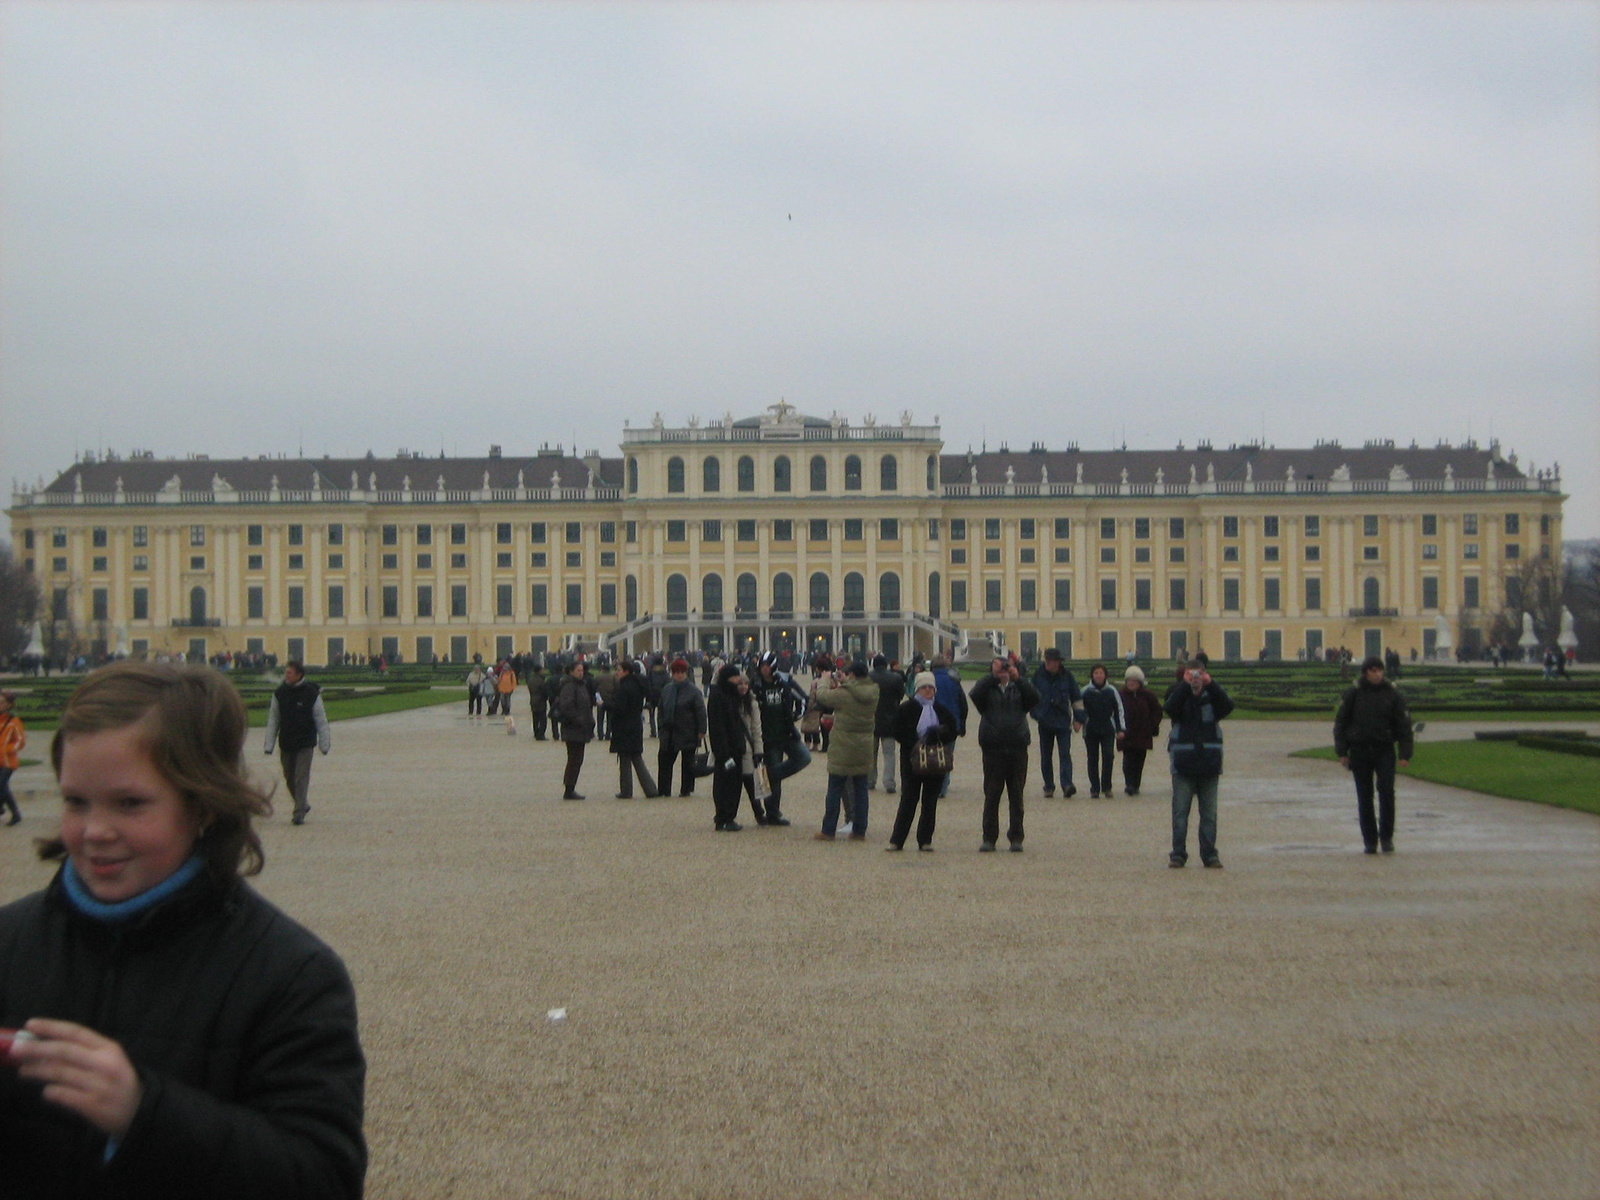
(932, 759)
(703, 766)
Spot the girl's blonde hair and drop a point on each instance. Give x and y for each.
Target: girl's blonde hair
(194, 727)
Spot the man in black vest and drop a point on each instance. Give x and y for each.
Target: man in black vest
(298, 725)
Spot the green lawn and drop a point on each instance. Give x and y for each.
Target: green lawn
(1503, 769)
(338, 710)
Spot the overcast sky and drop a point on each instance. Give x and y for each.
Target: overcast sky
(260, 227)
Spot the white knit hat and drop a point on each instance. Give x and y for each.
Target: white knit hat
(925, 679)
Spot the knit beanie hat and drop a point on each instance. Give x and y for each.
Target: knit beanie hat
(925, 679)
(1134, 673)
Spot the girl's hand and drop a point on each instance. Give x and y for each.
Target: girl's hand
(83, 1071)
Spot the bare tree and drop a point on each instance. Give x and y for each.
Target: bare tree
(1580, 594)
(19, 604)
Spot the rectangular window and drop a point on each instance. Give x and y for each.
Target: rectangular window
(1063, 554)
(391, 562)
(458, 599)
(425, 600)
(1141, 554)
(677, 531)
(458, 562)
(502, 533)
(574, 599)
(98, 564)
(1430, 551)
(141, 603)
(58, 539)
(958, 529)
(1030, 645)
(1469, 525)
(502, 599)
(536, 533)
(1108, 644)
(991, 529)
(852, 529)
(424, 562)
(1063, 528)
(1108, 595)
(1369, 554)
(1469, 550)
(458, 535)
(1469, 592)
(1430, 591)
(27, 539)
(631, 531)
(538, 559)
(991, 595)
(711, 530)
(335, 600)
(1513, 524)
(540, 604)
(1269, 553)
(958, 595)
(197, 562)
(1028, 595)
(1175, 554)
(197, 535)
(991, 555)
(1175, 528)
(502, 561)
(1141, 529)
(1430, 525)
(1513, 550)
(1369, 526)
(58, 564)
(389, 536)
(1230, 554)
(1230, 595)
(1313, 553)
(1313, 527)
(1177, 594)
(390, 597)
(608, 599)
(1064, 643)
(958, 555)
(783, 531)
(297, 562)
(608, 558)
(1028, 555)
(1026, 529)
(608, 532)
(574, 532)
(1141, 595)
(1108, 554)
(575, 558)
(141, 535)
(99, 537)
(252, 562)
(889, 529)
(100, 604)
(1177, 644)
(255, 600)
(1063, 595)
(818, 530)
(297, 603)
(933, 529)
(58, 604)
(1108, 527)
(1269, 527)
(297, 535)
(1230, 527)
(1271, 595)
(424, 535)
(1313, 594)
(745, 531)
(335, 562)
(335, 535)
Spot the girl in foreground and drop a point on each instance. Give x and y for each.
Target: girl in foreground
(185, 1037)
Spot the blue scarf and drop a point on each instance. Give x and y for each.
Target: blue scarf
(124, 910)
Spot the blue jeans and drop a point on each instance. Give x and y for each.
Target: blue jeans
(1061, 739)
(1185, 790)
(783, 760)
(830, 805)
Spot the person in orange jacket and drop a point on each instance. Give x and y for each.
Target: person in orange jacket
(13, 737)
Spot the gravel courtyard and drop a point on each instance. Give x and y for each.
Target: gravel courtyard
(763, 1015)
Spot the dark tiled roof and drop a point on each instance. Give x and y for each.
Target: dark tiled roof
(295, 474)
(1263, 463)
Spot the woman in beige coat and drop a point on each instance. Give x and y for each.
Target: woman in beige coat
(853, 700)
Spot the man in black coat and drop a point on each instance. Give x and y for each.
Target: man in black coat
(299, 726)
(1003, 699)
(627, 729)
(683, 728)
(1372, 719)
(1195, 706)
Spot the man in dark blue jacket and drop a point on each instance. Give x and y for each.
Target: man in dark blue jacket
(1003, 699)
(1195, 707)
(1059, 715)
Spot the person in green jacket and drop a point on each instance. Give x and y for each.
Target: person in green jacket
(853, 700)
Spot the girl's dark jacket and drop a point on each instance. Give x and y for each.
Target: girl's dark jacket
(1372, 719)
(627, 714)
(241, 1024)
(1141, 712)
(575, 707)
(725, 723)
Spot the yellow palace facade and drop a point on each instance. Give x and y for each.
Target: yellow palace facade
(789, 531)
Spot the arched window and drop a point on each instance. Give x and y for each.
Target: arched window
(889, 595)
(782, 480)
(674, 474)
(889, 474)
(747, 474)
(852, 473)
(819, 473)
(197, 606)
(633, 476)
(744, 596)
(711, 596)
(783, 595)
(1369, 593)
(933, 594)
(819, 596)
(630, 598)
(711, 475)
(855, 595)
(677, 596)
(933, 473)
